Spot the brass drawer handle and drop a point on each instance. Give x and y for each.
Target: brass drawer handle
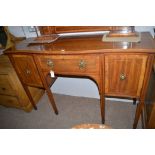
(50, 63)
(82, 64)
(122, 77)
(28, 71)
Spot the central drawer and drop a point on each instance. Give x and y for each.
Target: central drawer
(70, 64)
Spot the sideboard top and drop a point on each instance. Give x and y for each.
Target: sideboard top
(85, 44)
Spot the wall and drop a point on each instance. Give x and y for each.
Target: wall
(22, 31)
(72, 86)
(145, 29)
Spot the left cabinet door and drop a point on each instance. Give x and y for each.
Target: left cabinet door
(27, 69)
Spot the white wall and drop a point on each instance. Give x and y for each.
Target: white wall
(73, 86)
(145, 29)
(22, 31)
(17, 31)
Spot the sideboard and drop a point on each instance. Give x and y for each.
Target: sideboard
(119, 69)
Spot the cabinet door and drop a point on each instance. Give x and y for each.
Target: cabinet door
(27, 69)
(124, 74)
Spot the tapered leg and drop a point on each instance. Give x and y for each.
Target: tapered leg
(102, 107)
(102, 88)
(50, 96)
(49, 93)
(29, 96)
(138, 114)
(142, 119)
(134, 101)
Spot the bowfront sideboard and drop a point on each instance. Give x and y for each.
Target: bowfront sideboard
(119, 69)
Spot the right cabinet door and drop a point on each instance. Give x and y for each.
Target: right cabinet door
(124, 74)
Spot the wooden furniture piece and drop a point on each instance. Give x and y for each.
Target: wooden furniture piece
(149, 113)
(12, 93)
(119, 70)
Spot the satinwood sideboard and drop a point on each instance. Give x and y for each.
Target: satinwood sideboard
(119, 69)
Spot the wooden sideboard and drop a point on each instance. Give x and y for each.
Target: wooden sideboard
(149, 113)
(119, 70)
(12, 93)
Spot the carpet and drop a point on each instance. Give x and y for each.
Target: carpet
(72, 111)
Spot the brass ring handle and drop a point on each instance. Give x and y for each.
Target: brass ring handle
(28, 71)
(122, 77)
(82, 64)
(50, 63)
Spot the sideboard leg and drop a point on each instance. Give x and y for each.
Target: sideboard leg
(102, 107)
(29, 96)
(138, 114)
(134, 101)
(50, 95)
(51, 98)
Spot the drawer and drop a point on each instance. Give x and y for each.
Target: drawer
(27, 69)
(70, 64)
(124, 74)
(5, 85)
(9, 101)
